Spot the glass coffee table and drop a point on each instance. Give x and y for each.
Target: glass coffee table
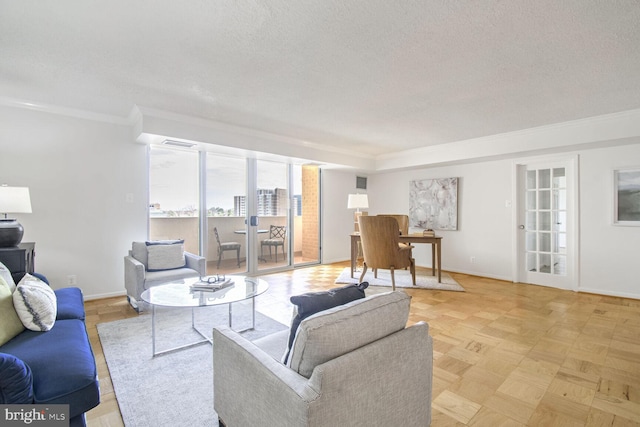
(180, 294)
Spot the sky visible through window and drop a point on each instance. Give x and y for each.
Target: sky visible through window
(173, 179)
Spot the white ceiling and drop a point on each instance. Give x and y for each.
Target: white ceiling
(375, 76)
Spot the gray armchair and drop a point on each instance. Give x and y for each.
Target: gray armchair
(141, 272)
(353, 365)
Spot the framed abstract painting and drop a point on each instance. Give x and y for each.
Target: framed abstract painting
(626, 196)
(433, 204)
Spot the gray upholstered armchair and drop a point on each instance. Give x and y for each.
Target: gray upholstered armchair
(352, 365)
(157, 262)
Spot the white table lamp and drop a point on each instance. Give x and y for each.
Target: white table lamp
(357, 202)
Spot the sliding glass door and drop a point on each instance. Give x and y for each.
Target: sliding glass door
(225, 195)
(211, 201)
(272, 203)
(173, 196)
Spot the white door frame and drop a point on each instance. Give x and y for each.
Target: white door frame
(573, 217)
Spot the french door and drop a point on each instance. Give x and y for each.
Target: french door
(547, 218)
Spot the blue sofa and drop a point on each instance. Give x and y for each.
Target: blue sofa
(53, 367)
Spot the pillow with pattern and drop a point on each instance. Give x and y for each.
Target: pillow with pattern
(36, 304)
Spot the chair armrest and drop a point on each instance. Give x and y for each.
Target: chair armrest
(16, 381)
(196, 262)
(252, 388)
(134, 275)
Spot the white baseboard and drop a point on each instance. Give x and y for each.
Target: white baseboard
(107, 295)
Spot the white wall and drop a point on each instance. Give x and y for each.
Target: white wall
(484, 222)
(337, 220)
(609, 254)
(78, 173)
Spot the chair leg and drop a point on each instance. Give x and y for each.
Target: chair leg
(393, 280)
(219, 258)
(364, 270)
(238, 256)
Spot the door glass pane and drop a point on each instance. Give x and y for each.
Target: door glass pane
(273, 205)
(544, 178)
(226, 212)
(545, 242)
(531, 242)
(560, 199)
(560, 243)
(559, 178)
(560, 221)
(545, 263)
(544, 199)
(531, 221)
(545, 221)
(531, 200)
(531, 180)
(560, 265)
(173, 196)
(532, 264)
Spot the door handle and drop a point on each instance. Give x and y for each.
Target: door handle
(521, 227)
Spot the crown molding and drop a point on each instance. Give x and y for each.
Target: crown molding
(152, 126)
(63, 111)
(606, 130)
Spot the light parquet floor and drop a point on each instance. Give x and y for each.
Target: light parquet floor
(505, 354)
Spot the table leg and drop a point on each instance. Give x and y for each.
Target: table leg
(153, 330)
(433, 258)
(439, 262)
(354, 255)
(171, 350)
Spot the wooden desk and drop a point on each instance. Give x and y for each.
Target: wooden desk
(436, 243)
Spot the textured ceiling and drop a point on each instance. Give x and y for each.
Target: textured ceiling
(379, 76)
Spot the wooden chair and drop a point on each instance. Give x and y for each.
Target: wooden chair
(381, 247)
(277, 234)
(226, 246)
(403, 222)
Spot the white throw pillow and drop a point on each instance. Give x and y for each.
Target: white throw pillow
(36, 304)
(6, 275)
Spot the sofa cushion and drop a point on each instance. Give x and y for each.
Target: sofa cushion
(16, 380)
(10, 323)
(340, 330)
(62, 364)
(35, 303)
(311, 303)
(157, 277)
(165, 256)
(6, 275)
(70, 303)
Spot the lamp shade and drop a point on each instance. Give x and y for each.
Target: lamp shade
(15, 200)
(357, 201)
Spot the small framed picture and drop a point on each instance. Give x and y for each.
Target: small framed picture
(626, 196)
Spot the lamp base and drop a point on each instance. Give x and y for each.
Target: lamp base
(11, 232)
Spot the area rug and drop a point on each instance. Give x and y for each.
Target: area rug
(174, 389)
(403, 280)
